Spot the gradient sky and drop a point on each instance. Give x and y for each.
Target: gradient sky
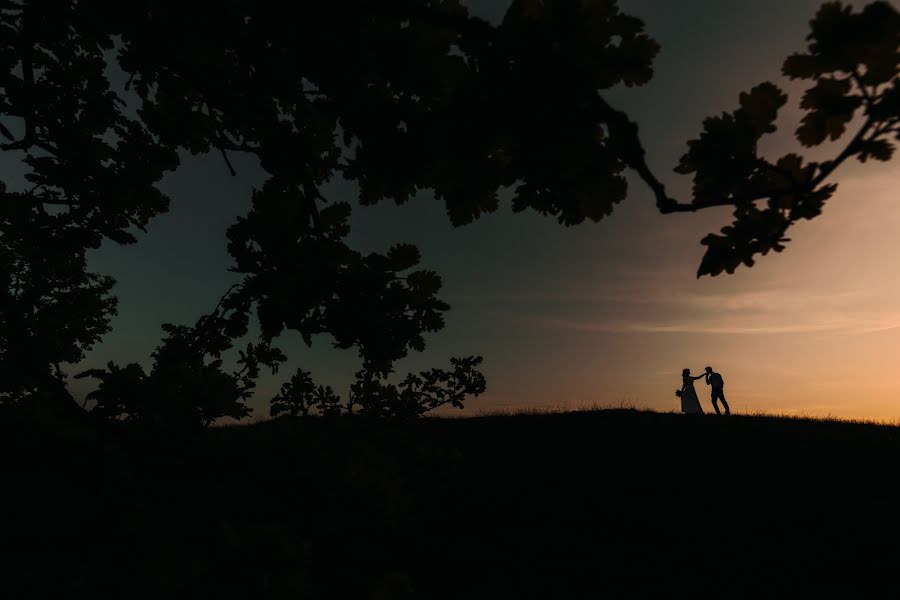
(601, 313)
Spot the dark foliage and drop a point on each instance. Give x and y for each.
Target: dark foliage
(372, 396)
(398, 97)
(852, 58)
(417, 394)
(91, 175)
(51, 309)
(300, 397)
(187, 385)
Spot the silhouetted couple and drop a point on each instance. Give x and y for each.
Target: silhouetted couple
(690, 403)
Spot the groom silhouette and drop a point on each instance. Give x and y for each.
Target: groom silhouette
(715, 381)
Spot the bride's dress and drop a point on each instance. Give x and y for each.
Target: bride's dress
(690, 403)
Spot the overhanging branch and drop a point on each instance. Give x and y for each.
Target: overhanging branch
(626, 141)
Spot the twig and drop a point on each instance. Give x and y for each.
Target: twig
(857, 78)
(6, 133)
(830, 166)
(28, 80)
(311, 193)
(227, 162)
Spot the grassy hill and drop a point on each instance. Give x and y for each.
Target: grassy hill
(590, 504)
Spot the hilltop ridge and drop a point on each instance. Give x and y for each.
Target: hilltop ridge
(583, 504)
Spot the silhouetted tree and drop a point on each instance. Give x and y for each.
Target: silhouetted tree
(373, 396)
(415, 395)
(122, 391)
(51, 309)
(90, 175)
(852, 58)
(399, 97)
(187, 385)
(300, 396)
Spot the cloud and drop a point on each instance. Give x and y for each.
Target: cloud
(655, 293)
(663, 301)
(770, 301)
(754, 313)
(702, 325)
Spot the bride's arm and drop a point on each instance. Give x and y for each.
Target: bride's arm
(698, 377)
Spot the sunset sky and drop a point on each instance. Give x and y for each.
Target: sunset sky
(600, 313)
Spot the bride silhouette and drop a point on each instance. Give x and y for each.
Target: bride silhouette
(690, 403)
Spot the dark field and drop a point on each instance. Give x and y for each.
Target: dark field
(599, 504)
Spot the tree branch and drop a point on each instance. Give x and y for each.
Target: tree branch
(6, 133)
(225, 295)
(867, 96)
(28, 80)
(311, 194)
(829, 167)
(137, 224)
(625, 139)
(227, 162)
(27, 112)
(886, 127)
(624, 136)
(17, 145)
